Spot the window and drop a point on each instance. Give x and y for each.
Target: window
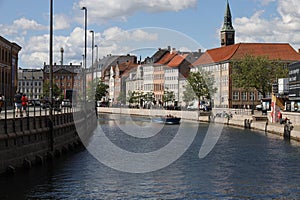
(252, 97)
(244, 96)
(260, 96)
(235, 95)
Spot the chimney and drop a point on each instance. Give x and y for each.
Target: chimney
(199, 50)
(173, 50)
(169, 48)
(298, 50)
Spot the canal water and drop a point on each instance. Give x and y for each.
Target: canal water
(243, 164)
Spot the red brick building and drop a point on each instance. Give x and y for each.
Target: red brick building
(9, 56)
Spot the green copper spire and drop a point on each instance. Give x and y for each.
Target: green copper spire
(227, 26)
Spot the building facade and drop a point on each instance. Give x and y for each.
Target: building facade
(218, 62)
(9, 56)
(66, 77)
(30, 82)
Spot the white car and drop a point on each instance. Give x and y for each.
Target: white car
(259, 107)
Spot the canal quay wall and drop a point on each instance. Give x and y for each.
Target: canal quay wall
(29, 141)
(239, 118)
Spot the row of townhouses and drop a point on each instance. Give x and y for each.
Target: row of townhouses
(168, 69)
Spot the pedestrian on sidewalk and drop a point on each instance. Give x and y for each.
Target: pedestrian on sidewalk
(18, 103)
(279, 117)
(24, 104)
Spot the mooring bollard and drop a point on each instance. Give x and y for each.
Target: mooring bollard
(247, 123)
(266, 126)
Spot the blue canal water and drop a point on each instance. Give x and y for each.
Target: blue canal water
(244, 164)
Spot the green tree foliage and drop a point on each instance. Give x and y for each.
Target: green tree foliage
(257, 72)
(101, 91)
(200, 85)
(122, 98)
(134, 97)
(188, 94)
(168, 96)
(55, 90)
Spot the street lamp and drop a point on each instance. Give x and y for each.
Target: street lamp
(93, 37)
(85, 42)
(51, 76)
(96, 60)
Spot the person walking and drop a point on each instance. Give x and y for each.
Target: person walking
(1, 103)
(279, 117)
(18, 103)
(24, 104)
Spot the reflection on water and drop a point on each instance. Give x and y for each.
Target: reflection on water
(243, 165)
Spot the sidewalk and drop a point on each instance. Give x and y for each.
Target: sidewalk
(267, 126)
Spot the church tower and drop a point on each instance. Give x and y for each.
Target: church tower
(227, 31)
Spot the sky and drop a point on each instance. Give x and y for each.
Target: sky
(140, 27)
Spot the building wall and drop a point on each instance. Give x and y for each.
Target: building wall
(8, 68)
(66, 77)
(171, 81)
(30, 82)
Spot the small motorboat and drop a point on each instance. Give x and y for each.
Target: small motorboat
(169, 119)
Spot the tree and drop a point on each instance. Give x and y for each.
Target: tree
(188, 94)
(55, 90)
(122, 98)
(168, 96)
(257, 72)
(202, 85)
(101, 91)
(131, 97)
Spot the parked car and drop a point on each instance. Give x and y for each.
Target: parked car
(66, 103)
(34, 102)
(259, 107)
(45, 103)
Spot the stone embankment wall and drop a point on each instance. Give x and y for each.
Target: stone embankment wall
(28, 141)
(150, 112)
(239, 119)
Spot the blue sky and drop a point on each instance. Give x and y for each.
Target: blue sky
(123, 27)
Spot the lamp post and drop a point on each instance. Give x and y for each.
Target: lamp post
(51, 76)
(96, 60)
(85, 42)
(92, 69)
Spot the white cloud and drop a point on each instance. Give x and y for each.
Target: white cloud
(27, 24)
(283, 28)
(61, 22)
(117, 34)
(21, 26)
(102, 10)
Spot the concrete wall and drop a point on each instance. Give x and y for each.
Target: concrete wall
(238, 119)
(190, 115)
(30, 141)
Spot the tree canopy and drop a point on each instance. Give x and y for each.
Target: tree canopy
(200, 84)
(168, 96)
(258, 72)
(55, 90)
(101, 91)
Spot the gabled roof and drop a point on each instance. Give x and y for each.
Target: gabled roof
(166, 58)
(159, 54)
(63, 71)
(177, 60)
(282, 51)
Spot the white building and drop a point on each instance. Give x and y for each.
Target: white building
(30, 82)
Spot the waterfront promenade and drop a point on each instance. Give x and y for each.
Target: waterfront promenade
(240, 118)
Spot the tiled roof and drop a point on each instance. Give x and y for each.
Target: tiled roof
(166, 58)
(282, 51)
(159, 54)
(177, 60)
